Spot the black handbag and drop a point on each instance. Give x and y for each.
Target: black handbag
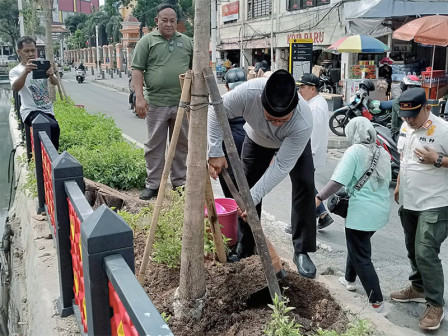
(338, 202)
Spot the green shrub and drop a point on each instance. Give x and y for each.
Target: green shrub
(78, 128)
(281, 324)
(118, 164)
(96, 142)
(167, 245)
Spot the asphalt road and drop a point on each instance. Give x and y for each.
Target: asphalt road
(389, 254)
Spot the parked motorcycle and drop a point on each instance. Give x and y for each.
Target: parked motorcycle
(80, 75)
(325, 84)
(386, 140)
(381, 112)
(358, 107)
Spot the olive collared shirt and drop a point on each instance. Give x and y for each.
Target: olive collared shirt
(162, 61)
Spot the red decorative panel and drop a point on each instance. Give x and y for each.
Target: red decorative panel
(76, 252)
(48, 185)
(120, 322)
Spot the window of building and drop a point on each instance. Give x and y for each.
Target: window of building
(293, 5)
(258, 8)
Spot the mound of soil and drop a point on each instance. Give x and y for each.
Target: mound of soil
(226, 310)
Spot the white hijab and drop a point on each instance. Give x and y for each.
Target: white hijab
(361, 131)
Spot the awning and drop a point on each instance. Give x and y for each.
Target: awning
(396, 8)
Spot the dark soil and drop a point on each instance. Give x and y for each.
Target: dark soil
(226, 312)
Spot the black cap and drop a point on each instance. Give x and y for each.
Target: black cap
(279, 96)
(411, 102)
(309, 79)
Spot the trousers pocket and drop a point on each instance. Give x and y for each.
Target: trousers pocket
(431, 217)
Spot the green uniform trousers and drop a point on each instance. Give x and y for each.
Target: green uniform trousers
(424, 233)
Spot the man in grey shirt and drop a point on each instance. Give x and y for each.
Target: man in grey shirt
(278, 127)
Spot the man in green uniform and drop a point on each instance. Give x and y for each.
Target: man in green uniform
(159, 58)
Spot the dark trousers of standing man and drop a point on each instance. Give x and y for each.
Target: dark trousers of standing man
(54, 126)
(256, 160)
(424, 233)
(359, 263)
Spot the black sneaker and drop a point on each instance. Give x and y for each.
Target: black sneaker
(324, 222)
(149, 193)
(288, 229)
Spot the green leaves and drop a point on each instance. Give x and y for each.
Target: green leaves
(281, 324)
(96, 142)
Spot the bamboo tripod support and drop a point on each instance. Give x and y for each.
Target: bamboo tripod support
(252, 215)
(59, 85)
(185, 99)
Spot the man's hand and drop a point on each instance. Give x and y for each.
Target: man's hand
(242, 214)
(215, 166)
(318, 202)
(426, 155)
(30, 66)
(396, 194)
(50, 71)
(141, 106)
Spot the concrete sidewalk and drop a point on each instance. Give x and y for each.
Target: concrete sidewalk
(122, 84)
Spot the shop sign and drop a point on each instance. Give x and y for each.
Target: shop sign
(230, 11)
(300, 57)
(317, 36)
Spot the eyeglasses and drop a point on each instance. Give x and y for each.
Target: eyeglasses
(276, 121)
(171, 47)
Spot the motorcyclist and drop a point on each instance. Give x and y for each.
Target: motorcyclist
(409, 81)
(81, 67)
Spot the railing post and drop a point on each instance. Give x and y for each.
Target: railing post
(39, 124)
(65, 168)
(102, 234)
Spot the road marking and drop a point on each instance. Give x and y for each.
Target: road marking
(132, 140)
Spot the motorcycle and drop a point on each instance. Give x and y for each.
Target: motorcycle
(325, 84)
(376, 111)
(80, 75)
(386, 140)
(358, 107)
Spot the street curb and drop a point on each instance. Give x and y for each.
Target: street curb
(338, 142)
(100, 82)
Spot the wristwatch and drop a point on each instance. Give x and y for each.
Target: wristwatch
(438, 163)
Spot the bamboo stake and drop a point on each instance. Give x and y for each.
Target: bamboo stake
(214, 223)
(59, 85)
(252, 215)
(184, 99)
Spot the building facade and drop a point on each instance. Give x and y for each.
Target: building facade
(64, 8)
(249, 31)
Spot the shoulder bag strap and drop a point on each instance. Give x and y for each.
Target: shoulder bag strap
(364, 178)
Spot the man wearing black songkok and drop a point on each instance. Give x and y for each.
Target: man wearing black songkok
(278, 127)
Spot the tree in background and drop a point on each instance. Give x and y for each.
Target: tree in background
(145, 12)
(76, 21)
(31, 21)
(9, 21)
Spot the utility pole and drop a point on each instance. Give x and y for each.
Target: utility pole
(21, 25)
(97, 52)
(272, 34)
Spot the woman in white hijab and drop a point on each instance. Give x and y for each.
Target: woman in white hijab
(368, 209)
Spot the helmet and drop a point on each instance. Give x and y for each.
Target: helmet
(367, 84)
(234, 77)
(410, 81)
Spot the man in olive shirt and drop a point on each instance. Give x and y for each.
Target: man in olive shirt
(159, 58)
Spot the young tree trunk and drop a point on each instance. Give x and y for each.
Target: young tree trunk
(49, 53)
(192, 291)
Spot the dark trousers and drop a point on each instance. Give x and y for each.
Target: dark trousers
(54, 126)
(359, 263)
(256, 160)
(424, 233)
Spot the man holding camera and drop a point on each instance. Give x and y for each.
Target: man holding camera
(33, 91)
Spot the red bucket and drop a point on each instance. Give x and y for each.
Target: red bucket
(228, 218)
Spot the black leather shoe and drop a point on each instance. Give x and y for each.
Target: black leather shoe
(233, 257)
(322, 223)
(305, 265)
(149, 193)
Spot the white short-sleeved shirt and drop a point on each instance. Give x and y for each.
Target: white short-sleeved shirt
(423, 186)
(34, 95)
(319, 136)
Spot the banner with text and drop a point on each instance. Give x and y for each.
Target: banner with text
(300, 57)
